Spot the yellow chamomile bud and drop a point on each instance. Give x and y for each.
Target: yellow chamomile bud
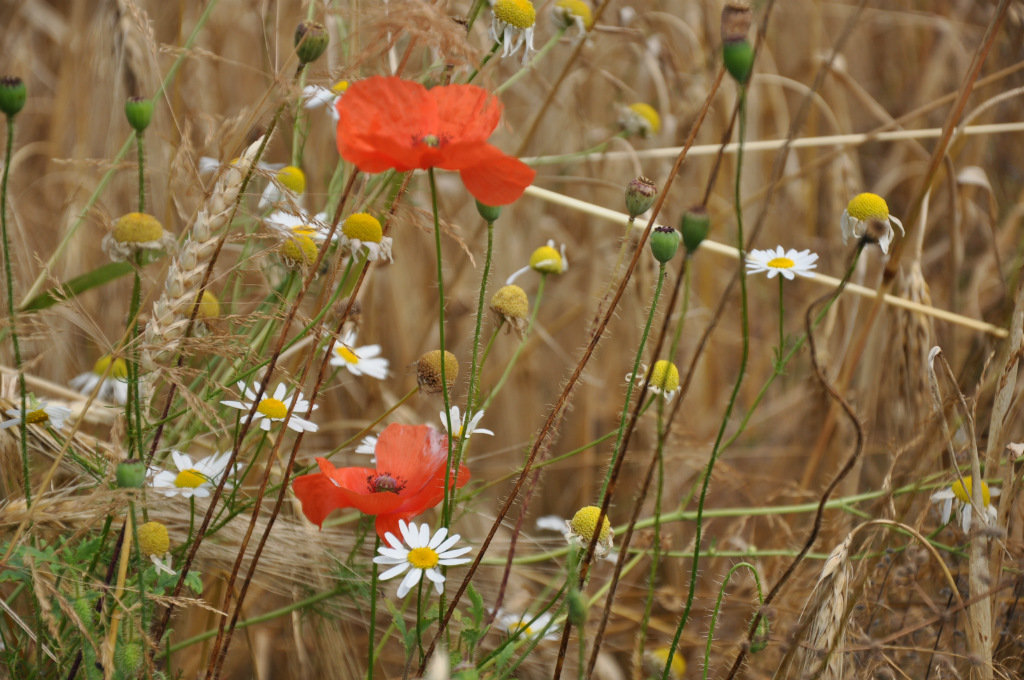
(298, 249)
(573, 12)
(584, 523)
(867, 217)
(511, 305)
(428, 371)
(664, 377)
(153, 539)
(512, 25)
(292, 178)
(547, 260)
(209, 306)
(362, 227)
(640, 119)
(518, 13)
(119, 370)
(655, 660)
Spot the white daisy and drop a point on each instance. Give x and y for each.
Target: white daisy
(40, 415)
(545, 260)
(318, 95)
(465, 430)
(359, 360)
(865, 210)
(962, 493)
(664, 378)
(512, 26)
(368, 446)
(531, 626)
(288, 223)
(789, 263)
(287, 185)
(551, 523)
(424, 555)
(193, 478)
(108, 378)
(274, 408)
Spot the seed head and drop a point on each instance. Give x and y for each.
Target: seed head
(428, 371)
(664, 243)
(640, 195)
(310, 41)
(510, 304)
(139, 112)
(12, 95)
(695, 226)
(131, 474)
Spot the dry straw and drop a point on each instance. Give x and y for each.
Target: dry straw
(823, 657)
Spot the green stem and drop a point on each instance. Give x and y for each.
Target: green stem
(541, 53)
(135, 401)
(139, 567)
(685, 306)
(656, 543)
(487, 58)
(632, 380)
(782, 318)
(142, 171)
(13, 316)
(716, 450)
(718, 607)
(522, 344)
(373, 607)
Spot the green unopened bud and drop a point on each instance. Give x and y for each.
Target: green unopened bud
(640, 195)
(85, 609)
(310, 41)
(12, 95)
(739, 59)
(664, 243)
(695, 226)
(139, 112)
(489, 212)
(128, 658)
(131, 474)
(760, 640)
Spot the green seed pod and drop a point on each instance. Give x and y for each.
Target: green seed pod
(695, 226)
(12, 94)
(139, 112)
(488, 212)
(664, 243)
(739, 59)
(640, 195)
(131, 474)
(310, 41)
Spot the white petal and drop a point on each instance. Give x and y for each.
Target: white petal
(394, 571)
(438, 538)
(434, 575)
(411, 579)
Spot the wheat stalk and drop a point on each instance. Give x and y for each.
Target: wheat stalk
(827, 633)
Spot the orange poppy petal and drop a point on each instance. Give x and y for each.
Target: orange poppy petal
(412, 453)
(372, 503)
(378, 119)
(319, 497)
(466, 113)
(498, 179)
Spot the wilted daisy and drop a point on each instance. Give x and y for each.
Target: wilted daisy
(545, 260)
(583, 525)
(318, 95)
(664, 378)
(288, 223)
(43, 414)
(365, 360)
(640, 119)
(113, 387)
(192, 478)
(362, 230)
(274, 409)
(287, 185)
(512, 26)
(464, 431)
(961, 492)
(135, 233)
(569, 13)
(422, 557)
(529, 626)
(789, 263)
(868, 216)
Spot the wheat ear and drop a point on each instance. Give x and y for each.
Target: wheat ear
(827, 634)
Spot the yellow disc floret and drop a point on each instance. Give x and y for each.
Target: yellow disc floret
(118, 371)
(584, 523)
(340, 87)
(153, 539)
(518, 13)
(572, 9)
(781, 263)
(963, 492)
(510, 302)
(546, 260)
(36, 417)
(189, 479)
(363, 227)
(137, 227)
(346, 354)
(299, 250)
(209, 307)
(428, 371)
(423, 558)
(659, 656)
(866, 207)
(665, 376)
(273, 408)
(647, 113)
(292, 178)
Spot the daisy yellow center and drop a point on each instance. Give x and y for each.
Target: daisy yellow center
(292, 178)
(363, 227)
(866, 207)
(781, 263)
(189, 479)
(340, 87)
(518, 13)
(423, 558)
(584, 522)
(516, 627)
(36, 417)
(153, 539)
(546, 260)
(273, 408)
(299, 248)
(577, 8)
(647, 112)
(963, 492)
(119, 369)
(347, 354)
(665, 376)
(137, 227)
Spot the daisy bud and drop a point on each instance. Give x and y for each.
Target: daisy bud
(510, 304)
(12, 95)
(131, 474)
(128, 658)
(665, 376)
(310, 41)
(139, 112)
(584, 522)
(153, 539)
(298, 251)
(664, 243)
(428, 371)
(292, 178)
(488, 212)
(547, 260)
(695, 226)
(640, 118)
(655, 660)
(640, 195)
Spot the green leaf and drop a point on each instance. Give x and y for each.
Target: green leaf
(79, 284)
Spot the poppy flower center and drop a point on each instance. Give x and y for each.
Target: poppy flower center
(189, 479)
(423, 558)
(273, 408)
(385, 482)
(781, 263)
(36, 417)
(347, 354)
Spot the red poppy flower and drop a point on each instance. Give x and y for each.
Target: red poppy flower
(409, 479)
(390, 123)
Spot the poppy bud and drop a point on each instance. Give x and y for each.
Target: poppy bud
(12, 94)
(139, 112)
(428, 371)
(664, 243)
(640, 195)
(737, 52)
(131, 474)
(128, 658)
(310, 41)
(153, 539)
(760, 640)
(488, 212)
(695, 226)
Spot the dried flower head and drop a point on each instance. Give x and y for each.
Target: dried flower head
(428, 371)
(134, 233)
(510, 305)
